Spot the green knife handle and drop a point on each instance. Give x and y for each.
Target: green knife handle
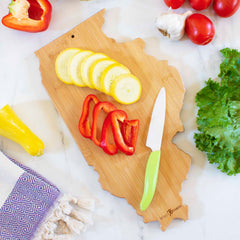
(151, 176)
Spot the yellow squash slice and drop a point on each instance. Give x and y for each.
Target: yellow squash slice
(75, 67)
(62, 64)
(126, 89)
(110, 74)
(86, 65)
(97, 69)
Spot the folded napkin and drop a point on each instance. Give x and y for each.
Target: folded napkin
(33, 208)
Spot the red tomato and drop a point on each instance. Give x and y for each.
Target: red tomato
(174, 4)
(200, 4)
(226, 8)
(199, 29)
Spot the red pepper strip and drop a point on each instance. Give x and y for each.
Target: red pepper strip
(28, 15)
(130, 132)
(116, 117)
(84, 124)
(106, 107)
(107, 147)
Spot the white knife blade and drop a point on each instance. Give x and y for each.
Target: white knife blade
(155, 132)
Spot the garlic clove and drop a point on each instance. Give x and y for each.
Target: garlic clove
(172, 24)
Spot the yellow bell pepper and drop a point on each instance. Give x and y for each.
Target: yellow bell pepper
(13, 128)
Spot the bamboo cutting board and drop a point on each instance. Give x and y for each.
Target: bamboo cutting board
(122, 175)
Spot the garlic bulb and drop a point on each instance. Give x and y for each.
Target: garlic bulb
(172, 24)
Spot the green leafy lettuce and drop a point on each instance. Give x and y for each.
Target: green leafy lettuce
(219, 115)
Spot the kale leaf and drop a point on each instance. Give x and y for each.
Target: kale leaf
(218, 116)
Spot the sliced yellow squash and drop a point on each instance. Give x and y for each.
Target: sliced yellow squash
(126, 89)
(97, 69)
(75, 67)
(86, 65)
(110, 74)
(62, 64)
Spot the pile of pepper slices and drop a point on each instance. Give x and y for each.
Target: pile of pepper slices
(124, 131)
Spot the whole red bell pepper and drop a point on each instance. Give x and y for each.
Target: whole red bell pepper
(28, 15)
(84, 122)
(107, 107)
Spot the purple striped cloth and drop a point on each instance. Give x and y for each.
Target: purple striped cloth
(34, 208)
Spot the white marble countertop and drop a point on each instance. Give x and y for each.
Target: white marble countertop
(213, 197)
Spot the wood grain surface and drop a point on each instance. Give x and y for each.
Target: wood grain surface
(121, 175)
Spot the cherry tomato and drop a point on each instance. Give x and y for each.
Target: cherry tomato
(174, 4)
(200, 4)
(199, 29)
(226, 8)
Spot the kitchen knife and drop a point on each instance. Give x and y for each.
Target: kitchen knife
(154, 141)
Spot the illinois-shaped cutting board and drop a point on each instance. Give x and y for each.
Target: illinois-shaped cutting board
(122, 175)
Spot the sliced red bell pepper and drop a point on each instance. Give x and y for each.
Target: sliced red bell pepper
(84, 123)
(130, 132)
(28, 15)
(105, 144)
(107, 107)
(124, 131)
(117, 117)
